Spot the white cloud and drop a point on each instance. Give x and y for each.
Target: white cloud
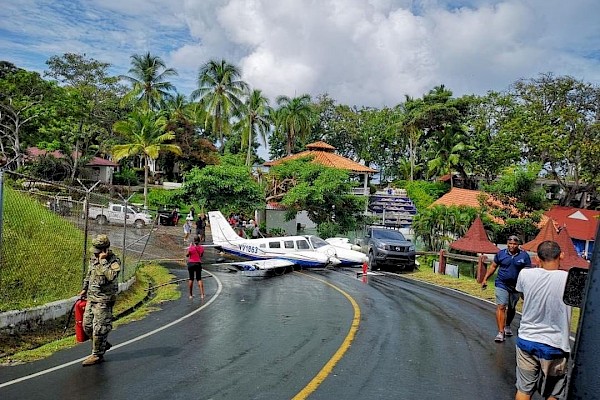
(361, 52)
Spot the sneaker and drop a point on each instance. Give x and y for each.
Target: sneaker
(92, 360)
(499, 337)
(507, 331)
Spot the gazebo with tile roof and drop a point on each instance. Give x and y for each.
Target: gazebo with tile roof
(548, 232)
(571, 258)
(475, 240)
(324, 154)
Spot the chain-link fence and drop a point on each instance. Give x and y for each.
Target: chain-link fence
(46, 230)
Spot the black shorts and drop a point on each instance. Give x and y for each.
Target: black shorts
(195, 268)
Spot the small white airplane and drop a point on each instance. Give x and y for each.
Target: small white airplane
(268, 255)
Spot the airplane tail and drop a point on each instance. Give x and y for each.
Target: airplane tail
(220, 229)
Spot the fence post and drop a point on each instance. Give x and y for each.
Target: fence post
(86, 211)
(442, 267)
(481, 268)
(1, 219)
(124, 236)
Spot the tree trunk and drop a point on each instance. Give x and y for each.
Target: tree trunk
(146, 182)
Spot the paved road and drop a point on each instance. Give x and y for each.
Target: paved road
(268, 338)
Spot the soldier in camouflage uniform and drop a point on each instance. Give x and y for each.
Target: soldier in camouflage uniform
(100, 288)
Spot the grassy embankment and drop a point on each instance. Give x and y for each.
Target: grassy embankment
(42, 262)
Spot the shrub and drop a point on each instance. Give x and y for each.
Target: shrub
(126, 176)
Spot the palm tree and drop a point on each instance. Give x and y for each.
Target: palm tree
(148, 76)
(145, 135)
(256, 121)
(447, 152)
(294, 117)
(220, 91)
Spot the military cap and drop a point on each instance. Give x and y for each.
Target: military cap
(100, 243)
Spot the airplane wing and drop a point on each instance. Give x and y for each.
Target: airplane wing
(261, 267)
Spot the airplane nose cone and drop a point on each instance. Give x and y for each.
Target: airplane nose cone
(334, 261)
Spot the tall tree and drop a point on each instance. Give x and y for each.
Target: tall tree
(220, 91)
(88, 109)
(558, 119)
(149, 76)
(446, 152)
(294, 117)
(185, 120)
(144, 134)
(24, 97)
(493, 148)
(256, 121)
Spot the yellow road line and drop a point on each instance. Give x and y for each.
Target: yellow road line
(328, 367)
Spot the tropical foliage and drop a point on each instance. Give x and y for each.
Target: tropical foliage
(546, 126)
(226, 187)
(323, 192)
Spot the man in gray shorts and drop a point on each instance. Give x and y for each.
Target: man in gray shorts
(543, 345)
(509, 263)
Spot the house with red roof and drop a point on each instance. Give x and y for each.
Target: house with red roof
(98, 169)
(582, 225)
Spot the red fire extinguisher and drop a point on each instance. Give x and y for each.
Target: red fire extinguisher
(80, 334)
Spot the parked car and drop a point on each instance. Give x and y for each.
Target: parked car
(115, 213)
(388, 248)
(61, 205)
(168, 215)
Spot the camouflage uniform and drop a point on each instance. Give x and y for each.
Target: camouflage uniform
(100, 287)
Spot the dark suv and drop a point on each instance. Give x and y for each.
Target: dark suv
(387, 247)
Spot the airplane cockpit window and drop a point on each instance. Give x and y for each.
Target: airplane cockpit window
(318, 242)
(274, 245)
(288, 244)
(302, 245)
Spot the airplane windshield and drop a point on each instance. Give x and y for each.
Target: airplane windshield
(388, 234)
(318, 242)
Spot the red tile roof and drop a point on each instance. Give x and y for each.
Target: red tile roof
(323, 154)
(548, 232)
(459, 197)
(571, 257)
(94, 161)
(475, 240)
(582, 223)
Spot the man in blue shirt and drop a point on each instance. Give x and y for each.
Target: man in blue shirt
(509, 263)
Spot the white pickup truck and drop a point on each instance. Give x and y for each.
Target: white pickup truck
(115, 213)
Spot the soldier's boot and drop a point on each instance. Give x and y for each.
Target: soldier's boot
(98, 349)
(92, 360)
(107, 346)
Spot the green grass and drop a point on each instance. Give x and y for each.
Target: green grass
(42, 254)
(36, 346)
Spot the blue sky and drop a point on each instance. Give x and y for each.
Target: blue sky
(360, 52)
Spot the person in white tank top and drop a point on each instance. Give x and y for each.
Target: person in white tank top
(543, 342)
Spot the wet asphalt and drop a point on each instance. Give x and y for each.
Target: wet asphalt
(267, 338)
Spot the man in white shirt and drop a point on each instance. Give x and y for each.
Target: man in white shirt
(543, 344)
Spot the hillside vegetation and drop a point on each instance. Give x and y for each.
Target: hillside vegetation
(41, 255)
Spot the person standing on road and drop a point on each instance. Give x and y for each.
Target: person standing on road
(100, 288)
(543, 345)
(509, 262)
(187, 229)
(194, 266)
(201, 227)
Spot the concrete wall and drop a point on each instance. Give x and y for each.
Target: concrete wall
(22, 320)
